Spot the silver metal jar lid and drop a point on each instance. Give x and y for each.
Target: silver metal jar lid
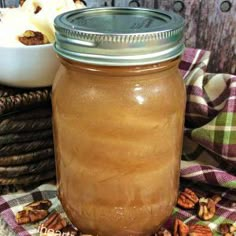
(119, 36)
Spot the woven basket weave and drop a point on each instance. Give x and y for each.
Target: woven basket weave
(26, 143)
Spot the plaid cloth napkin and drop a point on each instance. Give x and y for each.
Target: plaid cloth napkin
(208, 165)
(209, 153)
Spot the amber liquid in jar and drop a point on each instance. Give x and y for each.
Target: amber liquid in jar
(118, 139)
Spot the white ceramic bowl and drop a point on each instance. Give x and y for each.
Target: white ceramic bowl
(28, 66)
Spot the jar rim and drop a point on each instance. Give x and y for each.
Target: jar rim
(118, 36)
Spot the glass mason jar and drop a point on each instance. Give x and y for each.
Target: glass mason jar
(118, 111)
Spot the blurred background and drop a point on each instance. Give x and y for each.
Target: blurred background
(210, 24)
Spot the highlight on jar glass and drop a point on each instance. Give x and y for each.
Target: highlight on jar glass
(118, 113)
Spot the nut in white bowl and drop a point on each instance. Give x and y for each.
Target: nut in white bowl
(28, 66)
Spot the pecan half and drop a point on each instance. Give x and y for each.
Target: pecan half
(226, 228)
(39, 205)
(187, 199)
(33, 212)
(200, 230)
(30, 216)
(37, 9)
(207, 207)
(33, 38)
(163, 232)
(54, 222)
(180, 228)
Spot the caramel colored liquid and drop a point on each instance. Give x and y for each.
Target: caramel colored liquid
(118, 140)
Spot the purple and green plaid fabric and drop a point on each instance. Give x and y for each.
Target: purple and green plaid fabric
(208, 163)
(11, 204)
(209, 153)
